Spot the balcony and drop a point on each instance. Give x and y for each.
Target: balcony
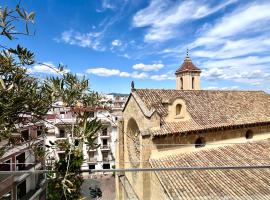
(91, 149)
(92, 159)
(105, 135)
(106, 159)
(105, 148)
(23, 167)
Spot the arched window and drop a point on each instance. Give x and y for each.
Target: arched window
(178, 109)
(200, 142)
(249, 134)
(192, 82)
(182, 85)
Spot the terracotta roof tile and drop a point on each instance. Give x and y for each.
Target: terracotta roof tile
(209, 108)
(187, 66)
(218, 184)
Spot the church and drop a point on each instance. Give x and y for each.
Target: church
(193, 128)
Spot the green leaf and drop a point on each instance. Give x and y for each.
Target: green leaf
(31, 15)
(19, 11)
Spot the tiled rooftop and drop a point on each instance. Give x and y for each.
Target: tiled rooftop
(209, 108)
(187, 66)
(218, 184)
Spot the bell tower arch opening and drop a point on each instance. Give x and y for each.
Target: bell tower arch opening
(188, 75)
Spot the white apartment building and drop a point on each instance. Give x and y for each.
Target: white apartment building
(20, 157)
(101, 158)
(61, 119)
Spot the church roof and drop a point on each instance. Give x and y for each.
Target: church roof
(207, 108)
(218, 184)
(187, 66)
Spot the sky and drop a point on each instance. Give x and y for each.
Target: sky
(113, 42)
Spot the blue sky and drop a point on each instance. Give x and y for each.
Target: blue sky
(113, 42)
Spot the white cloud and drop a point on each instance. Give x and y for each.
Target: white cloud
(241, 20)
(103, 71)
(141, 75)
(162, 77)
(162, 17)
(236, 48)
(145, 67)
(250, 19)
(124, 74)
(116, 43)
(90, 40)
(46, 68)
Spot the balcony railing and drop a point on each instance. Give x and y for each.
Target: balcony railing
(20, 167)
(92, 159)
(104, 147)
(105, 159)
(105, 135)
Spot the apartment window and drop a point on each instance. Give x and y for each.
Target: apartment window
(62, 133)
(200, 142)
(5, 166)
(61, 156)
(92, 167)
(192, 82)
(39, 131)
(105, 157)
(21, 190)
(76, 142)
(21, 160)
(25, 135)
(104, 142)
(106, 166)
(104, 131)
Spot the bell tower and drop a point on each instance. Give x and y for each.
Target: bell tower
(188, 75)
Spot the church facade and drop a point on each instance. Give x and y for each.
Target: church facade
(190, 127)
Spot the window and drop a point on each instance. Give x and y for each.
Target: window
(106, 166)
(105, 142)
(192, 83)
(5, 166)
(105, 157)
(21, 160)
(200, 142)
(21, 190)
(249, 134)
(104, 131)
(25, 135)
(61, 156)
(92, 167)
(182, 84)
(62, 133)
(178, 109)
(39, 131)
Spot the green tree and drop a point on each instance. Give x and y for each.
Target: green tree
(26, 99)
